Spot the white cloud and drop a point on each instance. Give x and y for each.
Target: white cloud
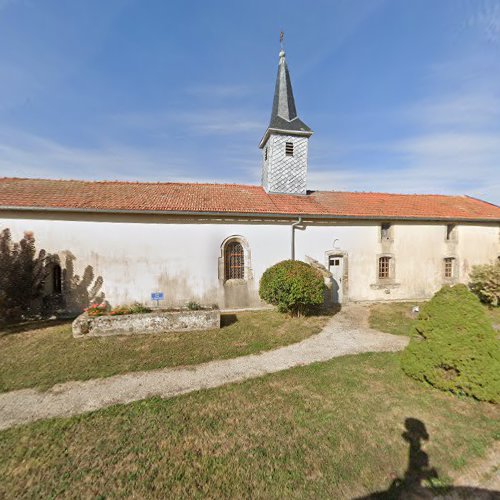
(476, 108)
(25, 155)
(216, 121)
(452, 147)
(486, 18)
(447, 163)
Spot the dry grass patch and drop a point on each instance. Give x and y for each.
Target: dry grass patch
(394, 317)
(329, 430)
(42, 358)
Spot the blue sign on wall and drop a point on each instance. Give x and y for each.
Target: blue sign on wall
(157, 296)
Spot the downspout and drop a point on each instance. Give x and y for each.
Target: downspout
(293, 236)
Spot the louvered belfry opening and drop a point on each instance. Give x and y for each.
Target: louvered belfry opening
(234, 261)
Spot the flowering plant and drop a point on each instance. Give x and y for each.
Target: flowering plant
(97, 309)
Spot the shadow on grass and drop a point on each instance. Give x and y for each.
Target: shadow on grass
(330, 310)
(227, 319)
(421, 481)
(27, 326)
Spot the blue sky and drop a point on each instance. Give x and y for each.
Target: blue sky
(403, 95)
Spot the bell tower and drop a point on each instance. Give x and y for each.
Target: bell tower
(285, 142)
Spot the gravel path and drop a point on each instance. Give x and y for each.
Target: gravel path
(346, 333)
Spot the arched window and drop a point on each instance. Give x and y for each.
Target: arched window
(234, 261)
(56, 279)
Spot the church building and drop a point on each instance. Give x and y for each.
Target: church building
(210, 243)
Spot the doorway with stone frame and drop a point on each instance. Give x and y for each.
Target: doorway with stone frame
(336, 263)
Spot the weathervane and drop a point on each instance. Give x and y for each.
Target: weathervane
(282, 35)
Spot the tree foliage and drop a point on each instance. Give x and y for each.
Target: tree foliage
(454, 347)
(485, 283)
(22, 275)
(293, 286)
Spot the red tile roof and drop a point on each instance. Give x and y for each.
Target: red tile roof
(234, 199)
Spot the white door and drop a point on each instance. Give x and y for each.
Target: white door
(336, 267)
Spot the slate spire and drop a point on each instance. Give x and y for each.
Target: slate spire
(284, 113)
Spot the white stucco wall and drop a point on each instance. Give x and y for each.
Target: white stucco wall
(136, 257)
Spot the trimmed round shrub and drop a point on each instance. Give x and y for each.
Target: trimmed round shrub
(453, 346)
(293, 286)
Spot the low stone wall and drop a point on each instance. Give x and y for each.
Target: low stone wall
(154, 322)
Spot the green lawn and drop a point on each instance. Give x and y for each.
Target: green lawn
(328, 430)
(42, 358)
(395, 317)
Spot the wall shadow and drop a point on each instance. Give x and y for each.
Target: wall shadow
(325, 309)
(419, 475)
(34, 285)
(78, 292)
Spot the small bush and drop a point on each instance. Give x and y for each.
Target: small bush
(138, 308)
(193, 306)
(293, 286)
(453, 346)
(485, 283)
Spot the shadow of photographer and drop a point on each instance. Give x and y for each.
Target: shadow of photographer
(419, 476)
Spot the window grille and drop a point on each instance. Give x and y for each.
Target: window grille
(56, 278)
(234, 261)
(448, 267)
(383, 267)
(289, 148)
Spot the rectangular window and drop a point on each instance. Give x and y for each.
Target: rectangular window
(289, 148)
(448, 267)
(385, 231)
(265, 154)
(384, 268)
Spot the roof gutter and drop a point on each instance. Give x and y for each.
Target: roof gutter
(240, 214)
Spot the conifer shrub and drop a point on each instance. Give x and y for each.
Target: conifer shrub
(485, 283)
(453, 346)
(293, 286)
